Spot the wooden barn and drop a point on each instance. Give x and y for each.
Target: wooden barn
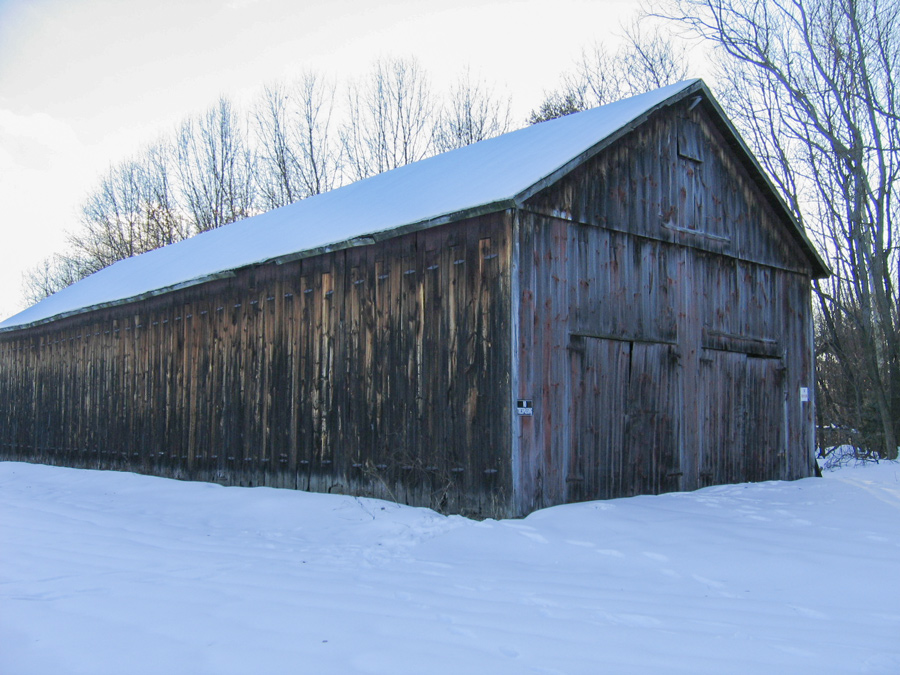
(612, 303)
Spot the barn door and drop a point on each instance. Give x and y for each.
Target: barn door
(624, 429)
(723, 405)
(766, 419)
(744, 420)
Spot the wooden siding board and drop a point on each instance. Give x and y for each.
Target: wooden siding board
(292, 300)
(529, 367)
(339, 372)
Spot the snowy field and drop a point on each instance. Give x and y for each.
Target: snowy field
(116, 573)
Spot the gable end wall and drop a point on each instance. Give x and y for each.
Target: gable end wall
(664, 327)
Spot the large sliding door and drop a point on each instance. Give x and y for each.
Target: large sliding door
(743, 417)
(625, 404)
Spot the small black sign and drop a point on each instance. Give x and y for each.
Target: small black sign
(525, 406)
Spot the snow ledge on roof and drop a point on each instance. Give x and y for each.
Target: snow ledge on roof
(488, 175)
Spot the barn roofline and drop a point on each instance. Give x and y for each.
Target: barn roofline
(366, 240)
(691, 88)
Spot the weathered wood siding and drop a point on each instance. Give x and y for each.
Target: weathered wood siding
(654, 304)
(664, 325)
(378, 370)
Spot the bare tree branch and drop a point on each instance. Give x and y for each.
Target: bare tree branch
(390, 119)
(812, 84)
(648, 60)
(215, 168)
(472, 113)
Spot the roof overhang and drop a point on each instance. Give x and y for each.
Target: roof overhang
(695, 88)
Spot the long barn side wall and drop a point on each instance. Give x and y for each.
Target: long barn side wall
(664, 330)
(380, 370)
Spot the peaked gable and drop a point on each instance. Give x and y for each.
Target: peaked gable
(680, 177)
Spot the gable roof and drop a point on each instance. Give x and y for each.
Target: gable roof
(489, 176)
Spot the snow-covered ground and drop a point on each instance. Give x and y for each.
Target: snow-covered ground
(116, 573)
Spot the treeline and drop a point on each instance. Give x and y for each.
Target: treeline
(293, 141)
(299, 139)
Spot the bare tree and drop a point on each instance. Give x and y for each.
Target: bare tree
(652, 58)
(472, 113)
(163, 215)
(112, 218)
(390, 119)
(296, 157)
(564, 101)
(649, 59)
(131, 211)
(276, 175)
(215, 168)
(51, 275)
(318, 158)
(814, 85)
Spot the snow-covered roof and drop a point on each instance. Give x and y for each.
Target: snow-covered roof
(491, 175)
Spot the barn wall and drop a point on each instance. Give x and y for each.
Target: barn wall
(664, 327)
(380, 370)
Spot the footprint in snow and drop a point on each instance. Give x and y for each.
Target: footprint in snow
(659, 557)
(611, 552)
(708, 582)
(534, 536)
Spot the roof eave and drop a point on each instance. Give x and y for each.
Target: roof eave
(475, 211)
(123, 301)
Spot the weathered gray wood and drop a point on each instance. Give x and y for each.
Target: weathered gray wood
(671, 249)
(651, 300)
(345, 372)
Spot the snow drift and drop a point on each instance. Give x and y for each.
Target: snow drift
(105, 572)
